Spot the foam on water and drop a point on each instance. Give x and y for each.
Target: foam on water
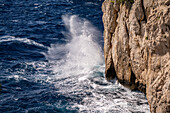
(81, 53)
(71, 78)
(24, 40)
(78, 68)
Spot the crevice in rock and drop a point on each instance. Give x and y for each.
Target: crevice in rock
(145, 19)
(139, 22)
(129, 84)
(133, 78)
(127, 31)
(110, 73)
(141, 87)
(137, 86)
(111, 34)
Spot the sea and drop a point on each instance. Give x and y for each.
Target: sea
(52, 61)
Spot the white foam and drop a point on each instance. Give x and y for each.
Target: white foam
(90, 3)
(17, 77)
(81, 53)
(78, 68)
(24, 40)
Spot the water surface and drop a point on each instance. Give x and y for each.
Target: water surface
(51, 60)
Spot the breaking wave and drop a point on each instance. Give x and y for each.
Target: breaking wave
(78, 68)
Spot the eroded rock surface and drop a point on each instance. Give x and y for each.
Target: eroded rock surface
(137, 47)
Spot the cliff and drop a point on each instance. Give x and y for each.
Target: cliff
(137, 47)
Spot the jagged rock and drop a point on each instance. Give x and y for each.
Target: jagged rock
(137, 48)
(109, 20)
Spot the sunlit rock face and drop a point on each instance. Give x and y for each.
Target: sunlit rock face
(137, 47)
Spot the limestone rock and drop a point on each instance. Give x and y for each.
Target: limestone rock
(109, 20)
(137, 48)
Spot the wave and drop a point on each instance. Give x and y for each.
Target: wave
(78, 68)
(81, 53)
(23, 40)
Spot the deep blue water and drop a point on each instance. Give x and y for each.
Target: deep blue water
(51, 60)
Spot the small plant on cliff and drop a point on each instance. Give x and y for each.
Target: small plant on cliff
(112, 1)
(158, 17)
(146, 37)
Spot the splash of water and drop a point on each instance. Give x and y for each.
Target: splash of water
(81, 53)
(76, 70)
(79, 73)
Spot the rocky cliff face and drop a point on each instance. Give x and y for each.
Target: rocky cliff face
(137, 47)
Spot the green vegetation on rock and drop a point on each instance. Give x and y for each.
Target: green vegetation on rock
(146, 38)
